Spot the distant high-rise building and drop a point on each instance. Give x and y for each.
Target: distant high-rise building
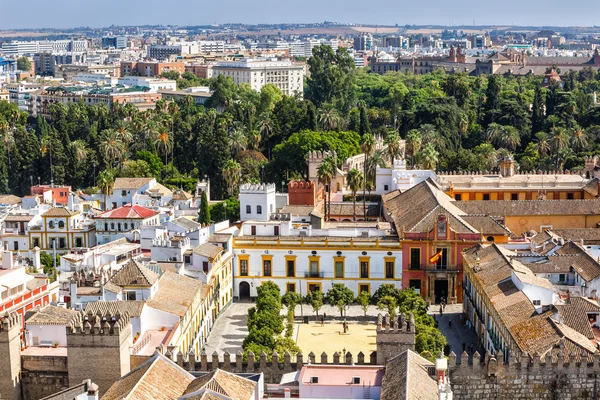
(364, 41)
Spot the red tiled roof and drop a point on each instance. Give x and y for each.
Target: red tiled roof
(131, 212)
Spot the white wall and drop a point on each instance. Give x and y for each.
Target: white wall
(153, 319)
(48, 333)
(308, 391)
(255, 196)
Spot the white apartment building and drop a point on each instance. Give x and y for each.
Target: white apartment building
(288, 77)
(19, 48)
(297, 256)
(211, 46)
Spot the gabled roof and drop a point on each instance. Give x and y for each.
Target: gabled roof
(224, 383)
(182, 195)
(130, 183)
(128, 212)
(134, 274)
(208, 250)
(574, 313)
(132, 307)
(50, 315)
(10, 199)
(58, 212)
(176, 293)
(159, 190)
(417, 209)
(407, 378)
(158, 378)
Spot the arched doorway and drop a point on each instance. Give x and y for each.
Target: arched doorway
(244, 290)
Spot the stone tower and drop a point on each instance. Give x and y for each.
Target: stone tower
(314, 159)
(394, 337)
(98, 348)
(10, 356)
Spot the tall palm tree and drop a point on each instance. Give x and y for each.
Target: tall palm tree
(163, 142)
(106, 182)
(110, 145)
(80, 150)
(559, 140)
(355, 180)
(329, 118)
(265, 127)
(487, 152)
(325, 173)
(428, 157)
(543, 143)
(393, 146)
(578, 139)
(254, 139)
(237, 138)
(368, 147)
(231, 173)
(413, 143)
(173, 109)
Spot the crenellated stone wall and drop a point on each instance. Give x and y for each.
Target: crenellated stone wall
(557, 376)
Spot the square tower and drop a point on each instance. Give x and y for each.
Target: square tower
(257, 201)
(10, 356)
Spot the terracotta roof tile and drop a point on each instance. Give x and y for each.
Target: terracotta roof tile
(176, 293)
(134, 308)
(158, 378)
(131, 183)
(50, 315)
(407, 378)
(128, 212)
(58, 212)
(208, 250)
(529, 207)
(224, 383)
(134, 274)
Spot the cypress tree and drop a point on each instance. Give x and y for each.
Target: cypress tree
(204, 213)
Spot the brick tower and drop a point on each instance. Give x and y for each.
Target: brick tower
(98, 348)
(10, 356)
(394, 337)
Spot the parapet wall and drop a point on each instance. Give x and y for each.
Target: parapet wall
(272, 367)
(557, 376)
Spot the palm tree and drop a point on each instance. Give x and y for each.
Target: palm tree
(428, 157)
(578, 139)
(509, 138)
(80, 150)
(237, 138)
(355, 180)
(543, 143)
(493, 132)
(163, 143)
(325, 173)
(368, 147)
(393, 146)
(254, 139)
(565, 154)
(560, 140)
(231, 173)
(487, 152)
(106, 182)
(413, 143)
(110, 145)
(329, 119)
(265, 127)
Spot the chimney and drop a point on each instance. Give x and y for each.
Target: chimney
(441, 366)
(37, 265)
(7, 259)
(71, 201)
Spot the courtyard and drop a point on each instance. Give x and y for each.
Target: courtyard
(330, 337)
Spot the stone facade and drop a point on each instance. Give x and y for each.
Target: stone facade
(394, 338)
(559, 376)
(10, 356)
(98, 348)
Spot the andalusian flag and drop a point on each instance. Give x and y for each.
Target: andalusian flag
(436, 257)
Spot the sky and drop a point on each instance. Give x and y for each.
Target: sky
(102, 13)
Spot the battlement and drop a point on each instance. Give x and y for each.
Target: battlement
(318, 155)
(10, 321)
(261, 188)
(273, 366)
(402, 324)
(301, 185)
(99, 324)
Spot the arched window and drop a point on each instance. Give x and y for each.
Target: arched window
(105, 226)
(112, 225)
(119, 225)
(51, 224)
(125, 225)
(259, 209)
(61, 224)
(248, 210)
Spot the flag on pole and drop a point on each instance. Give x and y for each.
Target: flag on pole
(436, 257)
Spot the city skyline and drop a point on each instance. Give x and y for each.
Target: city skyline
(72, 13)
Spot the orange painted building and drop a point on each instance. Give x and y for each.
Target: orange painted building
(429, 223)
(304, 193)
(58, 194)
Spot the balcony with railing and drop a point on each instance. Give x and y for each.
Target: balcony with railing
(437, 268)
(314, 274)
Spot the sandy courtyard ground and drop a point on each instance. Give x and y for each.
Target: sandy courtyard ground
(330, 338)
